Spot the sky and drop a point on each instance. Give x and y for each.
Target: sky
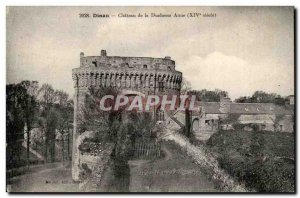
(241, 50)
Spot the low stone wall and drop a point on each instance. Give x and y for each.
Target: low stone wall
(93, 164)
(207, 161)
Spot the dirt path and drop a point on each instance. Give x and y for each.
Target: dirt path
(174, 173)
(47, 179)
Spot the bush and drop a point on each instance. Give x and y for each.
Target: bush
(257, 159)
(85, 172)
(241, 127)
(273, 175)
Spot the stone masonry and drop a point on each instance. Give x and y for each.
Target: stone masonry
(131, 75)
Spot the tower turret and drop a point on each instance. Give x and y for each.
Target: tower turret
(103, 53)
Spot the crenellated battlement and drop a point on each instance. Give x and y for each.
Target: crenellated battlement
(139, 63)
(143, 74)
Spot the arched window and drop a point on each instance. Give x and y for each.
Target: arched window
(161, 87)
(145, 66)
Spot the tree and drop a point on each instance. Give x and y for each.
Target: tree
(32, 87)
(20, 111)
(65, 121)
(52, 122)
(46, 95)
(185, 86)
(109, 124)
(243, 99)
(30, 109)
(61, 97)
(64, 107)
(209, 96)
(23, 112)
(142, 124)
(48, 118)
(90, 116)
(262, 97)
(14, 122)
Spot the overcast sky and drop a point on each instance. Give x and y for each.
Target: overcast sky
(241, 50)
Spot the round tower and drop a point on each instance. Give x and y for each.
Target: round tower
(145, 75)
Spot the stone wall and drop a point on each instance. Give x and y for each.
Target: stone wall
(208, 125)
(92, 163)
(286, 124)
(265, 121)
(206, 160)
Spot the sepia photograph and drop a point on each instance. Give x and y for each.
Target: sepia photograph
(150, 99)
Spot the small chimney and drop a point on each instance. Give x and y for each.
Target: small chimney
(103, 52)
(291, 100)
(168, 57)
(225, 104)
(81, 54)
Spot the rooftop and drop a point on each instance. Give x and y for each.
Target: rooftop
(249, 108)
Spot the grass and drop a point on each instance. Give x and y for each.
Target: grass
(260, 160)
(175, 172)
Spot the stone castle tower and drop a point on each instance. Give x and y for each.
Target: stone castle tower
(132, 75)
(143, 74)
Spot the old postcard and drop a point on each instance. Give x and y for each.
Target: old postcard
(150, 99)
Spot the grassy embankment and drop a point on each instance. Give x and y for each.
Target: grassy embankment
(261, 160)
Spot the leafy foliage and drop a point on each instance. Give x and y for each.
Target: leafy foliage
(20, 112)
(120, 128)
(91, 117)
(209, 96)
(262, 97)
(185, 86)
(260, 160)
(30, 106)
